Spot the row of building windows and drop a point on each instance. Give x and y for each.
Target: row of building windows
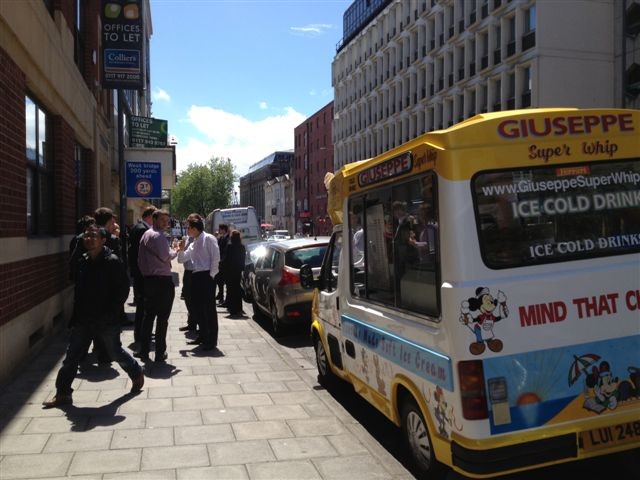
(476, 53)
(505, 90)
(429, 76)
(364, 138)
(434, 28)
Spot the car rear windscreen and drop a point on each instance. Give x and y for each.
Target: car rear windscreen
(311, 256)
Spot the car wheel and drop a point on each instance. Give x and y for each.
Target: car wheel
(325, 375)
(246, 295)
(416, 437)
(276, 324)
(257, 313)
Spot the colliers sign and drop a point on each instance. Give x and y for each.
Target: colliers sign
(393, 167)
(122, 44)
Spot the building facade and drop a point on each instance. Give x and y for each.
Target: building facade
(313, 158)
(58, 156)
(278, 194)
(253, 183)
(405, 67)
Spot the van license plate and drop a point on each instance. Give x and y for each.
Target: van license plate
(606, 437)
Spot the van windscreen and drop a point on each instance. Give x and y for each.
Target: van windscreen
(557, 213)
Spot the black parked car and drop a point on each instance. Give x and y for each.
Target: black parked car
(255, 250)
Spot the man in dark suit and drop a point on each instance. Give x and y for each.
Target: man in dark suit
(138, 281)
(223, 240)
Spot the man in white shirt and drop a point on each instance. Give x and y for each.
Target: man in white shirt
(205, 255)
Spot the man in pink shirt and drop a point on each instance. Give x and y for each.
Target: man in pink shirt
(154, 261)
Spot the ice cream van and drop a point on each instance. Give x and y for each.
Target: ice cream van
(482, 289)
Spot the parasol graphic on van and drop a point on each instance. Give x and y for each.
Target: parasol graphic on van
(580, 365)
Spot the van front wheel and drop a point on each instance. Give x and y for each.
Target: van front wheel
(325, 375)
(417, 440)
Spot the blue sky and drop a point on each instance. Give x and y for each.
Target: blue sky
(235, 77)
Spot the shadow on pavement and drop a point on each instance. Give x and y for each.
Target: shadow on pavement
(88, 418)
(159, 370)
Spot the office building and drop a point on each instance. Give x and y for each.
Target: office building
(405, 67)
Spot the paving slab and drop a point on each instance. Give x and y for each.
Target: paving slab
(156, 458)
(142, 437)
(294, 470)
(35, 466)
(22, 444)
(105, 461)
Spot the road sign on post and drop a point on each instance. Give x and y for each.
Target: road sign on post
(144, 180)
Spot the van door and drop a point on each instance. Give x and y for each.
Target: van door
(328, 295)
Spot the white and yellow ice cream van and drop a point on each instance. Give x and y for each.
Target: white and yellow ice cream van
(482, 289)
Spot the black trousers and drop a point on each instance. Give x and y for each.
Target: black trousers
(203, 307)
(138, 296)
(186, 293)
(159, 292)
(234, 293)
(219, 280)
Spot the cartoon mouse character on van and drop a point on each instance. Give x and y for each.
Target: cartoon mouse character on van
(607, 390)
(482, 312)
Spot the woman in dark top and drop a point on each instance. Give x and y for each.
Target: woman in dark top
(233, 267)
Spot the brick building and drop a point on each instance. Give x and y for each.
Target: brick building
(313, 158)
(58, 158)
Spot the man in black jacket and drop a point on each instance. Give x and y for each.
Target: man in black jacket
(138, 280)
(223, 240)
(101, 289)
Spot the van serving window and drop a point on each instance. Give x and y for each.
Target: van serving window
(558, 213)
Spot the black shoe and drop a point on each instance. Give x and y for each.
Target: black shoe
(187, 328)
(208, 347)
(223, 304)
(58, 401)
(160, 358)
(142, 356)
(137, 383)
(197, 341)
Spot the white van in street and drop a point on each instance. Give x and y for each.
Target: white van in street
(243, 219)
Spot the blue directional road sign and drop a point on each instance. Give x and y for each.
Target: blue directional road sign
(144, 180)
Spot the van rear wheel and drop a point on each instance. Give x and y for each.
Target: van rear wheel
(417, 440)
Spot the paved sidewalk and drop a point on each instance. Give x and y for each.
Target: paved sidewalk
(252, 412)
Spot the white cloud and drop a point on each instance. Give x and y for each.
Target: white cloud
(229, 135)
(312, 30)
(263, 105)
(313, 92)
(160, 94)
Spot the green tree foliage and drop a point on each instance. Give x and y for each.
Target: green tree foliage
(203, 188)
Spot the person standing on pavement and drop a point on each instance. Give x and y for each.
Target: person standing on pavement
(105, 218)
(233, 267)
(223, 240)
(205, 255)
(154, 261)
(192, 324)
(76, 247)
(137, 231)
(101, 289)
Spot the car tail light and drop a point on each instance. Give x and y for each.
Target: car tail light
(293, 313)
(288, 277)
(472, 390)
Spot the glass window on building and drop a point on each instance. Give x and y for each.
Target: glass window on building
(530, 19)
(39, 171)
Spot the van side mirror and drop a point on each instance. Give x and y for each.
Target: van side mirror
(306, 277)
